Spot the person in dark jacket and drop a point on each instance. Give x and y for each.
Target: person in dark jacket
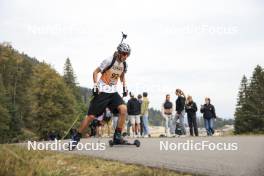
(180, 112)
(208, 111)
(191, 109)
(133, 110)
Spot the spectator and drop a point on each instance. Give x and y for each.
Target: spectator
(133, 110)
(167, 114)
(144, 113)
(208, 111)
(180, 112)
(191, 109)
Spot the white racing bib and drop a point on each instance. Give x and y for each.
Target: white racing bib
(109, 78)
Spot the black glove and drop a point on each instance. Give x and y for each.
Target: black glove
(125, 91)
(95, 90)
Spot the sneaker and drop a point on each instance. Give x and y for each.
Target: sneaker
(75, 139)
(132, 136)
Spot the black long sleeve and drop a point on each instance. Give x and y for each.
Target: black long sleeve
(194, 107)
(180, 104)
(191, 109)
(208, 111)
(129, 107)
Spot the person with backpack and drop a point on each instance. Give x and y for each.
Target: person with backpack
(141, 117)
(180, 112)
(133, 111)
(167, 114)
(144, 113)
(191, 109)
(208, 111)
(106, 94)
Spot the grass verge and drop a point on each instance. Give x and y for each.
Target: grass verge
(18, 161)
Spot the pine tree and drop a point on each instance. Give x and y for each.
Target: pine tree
(69, 76)
(240, 114)
(249, 115)
(70, 80)
(256, 100)
(242, 95)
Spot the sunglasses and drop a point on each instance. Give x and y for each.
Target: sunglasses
(124, 53)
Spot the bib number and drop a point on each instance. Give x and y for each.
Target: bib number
(115, 76)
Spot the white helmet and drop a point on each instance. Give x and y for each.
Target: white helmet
(123, 47)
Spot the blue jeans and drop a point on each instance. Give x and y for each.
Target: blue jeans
(145, 123)
(169, 122)
(209, 126)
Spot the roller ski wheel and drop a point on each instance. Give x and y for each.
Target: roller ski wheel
(137, 143)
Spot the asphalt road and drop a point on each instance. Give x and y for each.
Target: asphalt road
(247, 160)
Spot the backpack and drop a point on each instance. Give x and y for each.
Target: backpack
(178, 129)
(167, 105)
(113, 62)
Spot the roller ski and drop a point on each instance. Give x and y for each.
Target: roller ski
(119, 140)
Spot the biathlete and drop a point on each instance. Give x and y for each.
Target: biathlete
(106, 94)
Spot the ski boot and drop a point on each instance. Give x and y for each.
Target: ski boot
(75, 139)
(119, 140)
